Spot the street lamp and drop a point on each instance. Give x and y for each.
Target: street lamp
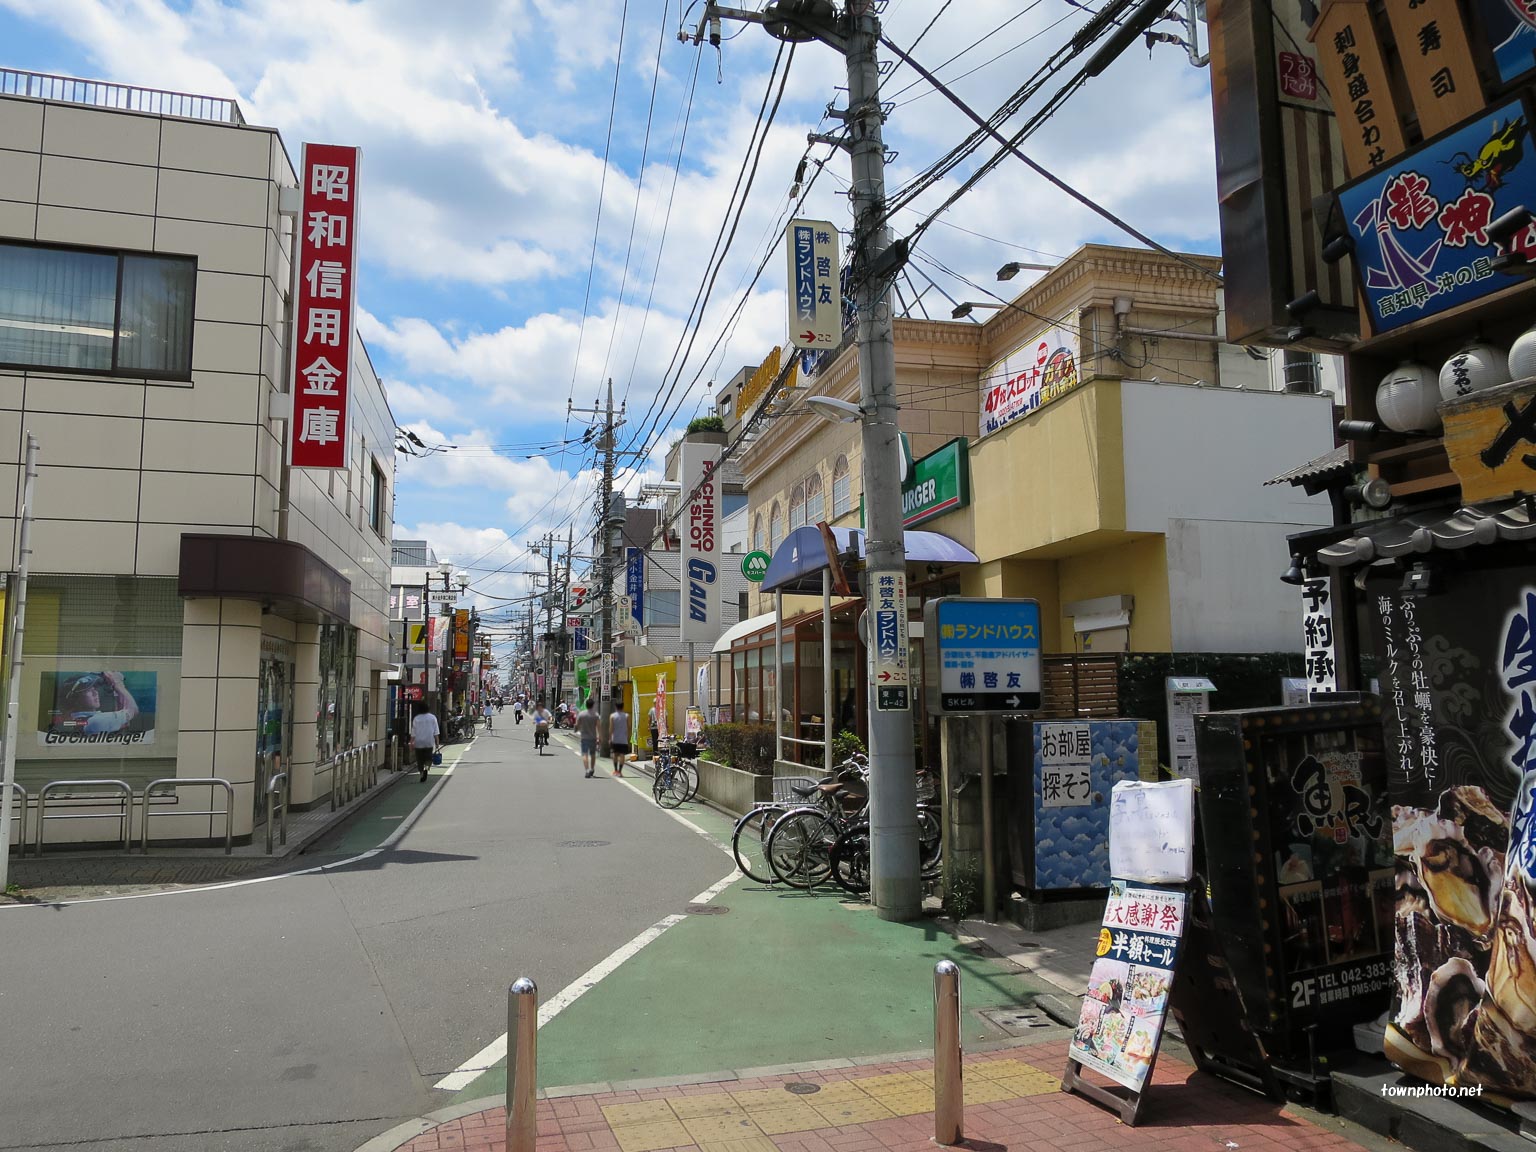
(1011, 269)
(963, 309)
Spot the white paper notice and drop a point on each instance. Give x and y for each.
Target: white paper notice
(1152, 831)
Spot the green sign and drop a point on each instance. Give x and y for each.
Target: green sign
(754, 566)
(938, 483)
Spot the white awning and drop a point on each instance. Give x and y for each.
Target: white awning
(745, 628)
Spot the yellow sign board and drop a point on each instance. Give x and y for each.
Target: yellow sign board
(757, 387)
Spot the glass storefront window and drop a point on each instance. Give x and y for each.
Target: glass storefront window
(101, 680)
(333, 715)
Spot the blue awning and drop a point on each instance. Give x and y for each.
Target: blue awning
(799, 561)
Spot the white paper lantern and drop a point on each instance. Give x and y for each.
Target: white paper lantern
(1522, 355)
(1407, 398)
(1474, 368)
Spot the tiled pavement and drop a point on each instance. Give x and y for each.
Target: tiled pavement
(1012, 1101)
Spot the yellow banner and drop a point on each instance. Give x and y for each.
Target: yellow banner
(757, 386)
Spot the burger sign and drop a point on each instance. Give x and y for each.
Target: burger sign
(1037, 373)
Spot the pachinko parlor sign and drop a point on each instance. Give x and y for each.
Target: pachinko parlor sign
(1037, 372)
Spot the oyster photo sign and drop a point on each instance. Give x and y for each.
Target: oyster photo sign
(1458, 675)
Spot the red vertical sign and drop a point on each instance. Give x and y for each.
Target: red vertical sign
(322, 329)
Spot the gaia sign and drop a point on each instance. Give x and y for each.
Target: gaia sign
(754, 566)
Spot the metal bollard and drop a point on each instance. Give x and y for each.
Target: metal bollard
(948, 1083)
(522, 1064)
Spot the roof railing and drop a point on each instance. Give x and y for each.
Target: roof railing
(98, 94)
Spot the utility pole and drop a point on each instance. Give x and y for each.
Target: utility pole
(565, 610)
(895, 883)
(607, 446)
(546, 547)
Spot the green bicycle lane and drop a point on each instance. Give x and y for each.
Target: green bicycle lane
(777, 976)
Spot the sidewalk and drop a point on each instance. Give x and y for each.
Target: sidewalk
(1012, 1101)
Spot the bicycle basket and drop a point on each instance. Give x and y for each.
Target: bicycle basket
(688, 750)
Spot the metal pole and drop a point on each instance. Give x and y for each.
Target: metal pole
(522, 1064)
(895, 884)
(988, 853)
(948, 1085)
(18, 633)
(693, 679)
(829, 721)
(778, 672)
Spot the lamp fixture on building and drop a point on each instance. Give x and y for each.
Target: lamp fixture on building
(1295, 574)
(1011, 269)
(963, 309)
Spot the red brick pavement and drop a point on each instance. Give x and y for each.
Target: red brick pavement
(1014, 1104)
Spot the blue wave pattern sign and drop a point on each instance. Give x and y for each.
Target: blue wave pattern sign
(1074, 760)
(1420, 224)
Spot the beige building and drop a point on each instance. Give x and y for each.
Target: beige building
(196, 607)
(1114, 452)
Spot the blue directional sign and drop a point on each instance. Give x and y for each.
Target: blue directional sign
(981, 655)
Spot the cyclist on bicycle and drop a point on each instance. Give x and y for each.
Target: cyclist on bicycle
(541, 725)
(489, 712)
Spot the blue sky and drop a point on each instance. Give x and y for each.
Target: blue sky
(483, 127)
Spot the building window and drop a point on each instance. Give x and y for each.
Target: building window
(842, 488)
(662, 606)
(757, 533)
(775, 528)
(376, 504)
(796, 508)
(815, 505)
(105, 313)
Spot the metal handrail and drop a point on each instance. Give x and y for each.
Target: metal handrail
(21, 818)
(278, 785)
(126, 802)
(157, 101)
(175, 782)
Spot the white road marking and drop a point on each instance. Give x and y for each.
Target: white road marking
(394, 838)
(496, 1051)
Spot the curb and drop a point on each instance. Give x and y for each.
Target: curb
(406, 1131)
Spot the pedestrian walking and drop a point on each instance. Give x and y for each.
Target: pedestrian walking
(426, 738)
(618, 736)
(488, 713)
(586, 729)
(654, 717)
(517, 711)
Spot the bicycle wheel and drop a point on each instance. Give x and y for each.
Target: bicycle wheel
(930, 840)
(690, 769)
(850, 860)
(659, 781)
(676, 790)
(800, 847)
(749, 842)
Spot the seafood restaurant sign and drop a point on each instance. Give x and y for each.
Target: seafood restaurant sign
(1034, 374)
(1458, 690)
(1420, 223)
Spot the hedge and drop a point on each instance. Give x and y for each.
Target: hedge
(745, 746)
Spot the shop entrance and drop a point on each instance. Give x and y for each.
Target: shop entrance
(274, 718)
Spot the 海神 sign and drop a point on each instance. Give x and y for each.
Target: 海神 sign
(323, 320)
(701, 610)
(1038, 372)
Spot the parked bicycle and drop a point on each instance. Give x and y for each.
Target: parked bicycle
(675, 778)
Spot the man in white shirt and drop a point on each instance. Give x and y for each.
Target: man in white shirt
(542, 719)
(426, 737)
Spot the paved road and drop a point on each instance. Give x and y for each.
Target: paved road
(314, 1011)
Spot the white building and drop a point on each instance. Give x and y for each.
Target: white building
(195, 604)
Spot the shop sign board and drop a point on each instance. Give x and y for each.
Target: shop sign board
(1187, 697)
(1350, 58)
(1120, 1024)
(1317, 633)
(702, 616)
(938, 483)
(982, 655)
(605, 675)
(1489, 437)
(1066, 765)
(1038, 372)
(758, 384)
(418, 635)
(441, 596)
(754, 565)
(1458, 672)
(461, 634)
(1510, 27)
(325, 295)
(580, 639)
(634, 586)
(813, 248)
(1420, 223)
(1441, 75)
(889, 669)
